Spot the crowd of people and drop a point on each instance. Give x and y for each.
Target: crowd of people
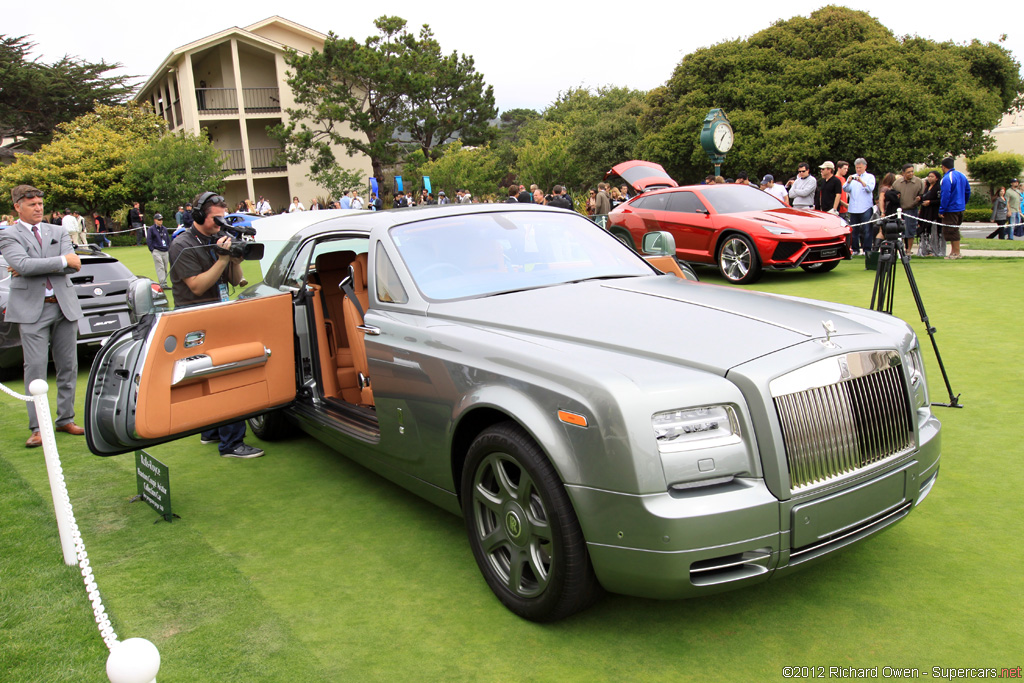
(931, 209)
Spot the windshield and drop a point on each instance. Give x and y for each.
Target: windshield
(739, 198)
(457, 257)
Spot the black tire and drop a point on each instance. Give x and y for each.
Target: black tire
(820, 267)
(738, 260)
(272, 426)
(523, 531)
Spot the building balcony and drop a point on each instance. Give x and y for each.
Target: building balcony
(264, 160)
(214, 101)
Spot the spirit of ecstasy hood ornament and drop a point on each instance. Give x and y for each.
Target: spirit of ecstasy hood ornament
(830, 329)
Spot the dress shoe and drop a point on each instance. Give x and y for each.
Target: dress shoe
(70, 428)
(34, 441)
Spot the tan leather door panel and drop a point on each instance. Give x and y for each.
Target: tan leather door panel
(244, 364)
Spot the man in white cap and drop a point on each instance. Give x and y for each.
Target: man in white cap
(777, 191)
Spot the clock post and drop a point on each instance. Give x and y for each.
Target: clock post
(716, 137)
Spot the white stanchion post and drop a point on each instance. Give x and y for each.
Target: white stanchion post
(38, 389)
(135, 660)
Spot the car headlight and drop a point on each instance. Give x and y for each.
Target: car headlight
(915, 374)
(777, 229)
(701, 446)
(694, 427)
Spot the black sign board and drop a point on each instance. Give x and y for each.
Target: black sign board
(154, 484)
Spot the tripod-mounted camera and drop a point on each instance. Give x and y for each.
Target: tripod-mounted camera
(889, 252)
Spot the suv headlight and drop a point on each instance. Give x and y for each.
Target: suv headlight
(777, 229)
(700, 446)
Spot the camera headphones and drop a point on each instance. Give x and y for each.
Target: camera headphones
(198, 210)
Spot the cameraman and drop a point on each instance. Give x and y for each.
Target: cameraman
(201, 275)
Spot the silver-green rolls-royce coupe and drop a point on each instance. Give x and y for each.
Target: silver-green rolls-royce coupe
(597, 423)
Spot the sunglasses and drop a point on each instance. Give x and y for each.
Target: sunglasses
(32, 195)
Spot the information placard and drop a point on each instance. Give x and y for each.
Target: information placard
(154, 483)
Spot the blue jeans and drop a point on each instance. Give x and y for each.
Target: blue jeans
(910, 221)
(230, 436)
(863, 235)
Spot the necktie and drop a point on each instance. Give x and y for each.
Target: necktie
(39, 238)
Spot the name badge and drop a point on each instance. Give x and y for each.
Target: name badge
(223, 289)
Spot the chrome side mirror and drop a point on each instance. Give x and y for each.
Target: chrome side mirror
(140, 299)
(658, 243)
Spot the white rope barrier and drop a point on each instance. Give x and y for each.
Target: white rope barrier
(135, 660)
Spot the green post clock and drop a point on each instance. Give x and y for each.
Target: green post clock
(716, 137)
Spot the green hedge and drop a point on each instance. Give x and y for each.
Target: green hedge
(983, 215)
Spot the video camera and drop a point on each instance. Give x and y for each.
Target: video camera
(893, 228)
(242, 244)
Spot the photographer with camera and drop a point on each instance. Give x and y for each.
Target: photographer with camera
(200, 272)
(202, 266)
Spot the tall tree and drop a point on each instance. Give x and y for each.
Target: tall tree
(602, 127)
(35, 97)
(363, 96)
(172, 169)
(86, 163)
(474, 168)
(838, 84)
(546, 156)
(448, 98)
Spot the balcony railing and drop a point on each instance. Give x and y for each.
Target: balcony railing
(264, 160)
(225, 100)
(259, 100)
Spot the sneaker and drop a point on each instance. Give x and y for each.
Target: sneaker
(243, 451)
(208, 441)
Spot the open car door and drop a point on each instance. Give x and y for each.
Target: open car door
(184, 371)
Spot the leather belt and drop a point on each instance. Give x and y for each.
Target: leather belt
(50, 299)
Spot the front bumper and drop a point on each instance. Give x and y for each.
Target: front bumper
(701, 541)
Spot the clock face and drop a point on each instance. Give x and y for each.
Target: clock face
(722, 137)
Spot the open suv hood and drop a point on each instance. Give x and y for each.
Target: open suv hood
(642, 175)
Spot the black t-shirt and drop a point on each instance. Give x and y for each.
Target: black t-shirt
(192, 253)
(828, 192)
(561, 201)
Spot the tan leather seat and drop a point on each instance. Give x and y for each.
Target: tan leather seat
(331, 269)
(353, 320)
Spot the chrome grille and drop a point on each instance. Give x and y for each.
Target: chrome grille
(836, 428)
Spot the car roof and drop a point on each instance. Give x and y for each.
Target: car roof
(365, 221)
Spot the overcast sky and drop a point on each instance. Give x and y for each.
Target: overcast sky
(529, 53)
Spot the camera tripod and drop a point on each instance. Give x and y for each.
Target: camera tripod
(890, 251)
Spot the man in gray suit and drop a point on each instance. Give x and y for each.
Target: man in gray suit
(44, 303)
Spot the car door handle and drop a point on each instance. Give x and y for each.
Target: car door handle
(230, 359)
(369, 329)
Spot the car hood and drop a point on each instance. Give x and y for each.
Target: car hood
(795, 219)
(642, 175)
(657, 317)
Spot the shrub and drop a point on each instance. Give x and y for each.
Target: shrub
(995, 168)
(979, 199)
(978, 215)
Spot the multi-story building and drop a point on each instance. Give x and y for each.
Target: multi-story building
(233, 85)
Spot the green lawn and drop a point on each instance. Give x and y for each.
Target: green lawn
(301, 566)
